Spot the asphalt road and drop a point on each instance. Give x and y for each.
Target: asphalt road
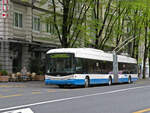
(35, 97)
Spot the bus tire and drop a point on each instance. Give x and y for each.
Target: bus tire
(87, 82)
(110, 81)
(129, 80)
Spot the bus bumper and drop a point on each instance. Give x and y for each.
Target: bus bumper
(65, 82)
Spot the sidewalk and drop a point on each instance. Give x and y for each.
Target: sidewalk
(141, 81)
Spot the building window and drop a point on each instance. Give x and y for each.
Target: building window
(36, 24)
(18, 20)
(50, 28)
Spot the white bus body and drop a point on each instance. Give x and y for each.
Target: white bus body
(96, 65)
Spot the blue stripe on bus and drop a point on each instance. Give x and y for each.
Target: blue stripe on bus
(99, 81)
(102, 81)
(123, 80)
(134, 79)
(82, 82)
(126, 79)
(66, 82)
(75, 81)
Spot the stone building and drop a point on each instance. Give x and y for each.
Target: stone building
(22, 34)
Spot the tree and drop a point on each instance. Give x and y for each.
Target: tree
(133, 16)
(68, 21)
(106, 16)
(144, 26)
(102, 23)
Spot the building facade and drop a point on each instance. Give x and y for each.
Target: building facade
(22, 34)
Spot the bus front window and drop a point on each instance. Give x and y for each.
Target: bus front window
(60, 63)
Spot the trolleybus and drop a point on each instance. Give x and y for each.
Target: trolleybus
(87, 66)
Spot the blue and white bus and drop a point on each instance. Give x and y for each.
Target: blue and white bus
(87, 66)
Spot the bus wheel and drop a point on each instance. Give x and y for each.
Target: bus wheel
(86, 82)
(110, 81)
(129, 80)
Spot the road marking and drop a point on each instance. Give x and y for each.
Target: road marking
(51, 90)
(9, 96)
(12, 86)
(142, 111)
(26, 110)
(36, 92)
(71, 98)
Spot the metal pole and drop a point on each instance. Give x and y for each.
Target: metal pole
(115, 59)
(115, 67)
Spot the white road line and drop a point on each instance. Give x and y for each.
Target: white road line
(26, 110)
(71, 98)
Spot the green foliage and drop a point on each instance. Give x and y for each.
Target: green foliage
(123, 19)
(42, 2)
(67, 20)
(25, 0)
(3, 72)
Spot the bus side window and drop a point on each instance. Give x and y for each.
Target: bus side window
(79, 66)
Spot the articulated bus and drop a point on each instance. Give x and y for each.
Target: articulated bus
(87, 66)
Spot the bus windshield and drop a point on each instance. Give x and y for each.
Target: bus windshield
(60, 63)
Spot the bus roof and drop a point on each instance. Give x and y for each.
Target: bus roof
(91, 53)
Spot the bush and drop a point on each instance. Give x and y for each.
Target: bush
(4, 72)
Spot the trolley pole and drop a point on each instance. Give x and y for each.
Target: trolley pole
(115, 58)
